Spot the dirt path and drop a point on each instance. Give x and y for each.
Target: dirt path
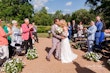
(80, 65)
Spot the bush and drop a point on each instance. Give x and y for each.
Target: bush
(43, 29)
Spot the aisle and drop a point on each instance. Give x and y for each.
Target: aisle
(40, 65)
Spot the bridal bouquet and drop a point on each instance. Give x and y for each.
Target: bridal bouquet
(59, 30)
(12, 66)
(92, 56)
(31, 54)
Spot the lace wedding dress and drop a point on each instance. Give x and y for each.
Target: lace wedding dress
(67, 56)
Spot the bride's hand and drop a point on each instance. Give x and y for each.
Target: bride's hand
(62, 37)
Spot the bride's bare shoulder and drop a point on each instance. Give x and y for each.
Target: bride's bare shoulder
(65, 28)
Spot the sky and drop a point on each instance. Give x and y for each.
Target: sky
(66, 6)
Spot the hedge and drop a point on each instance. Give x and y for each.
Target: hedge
(43, 29)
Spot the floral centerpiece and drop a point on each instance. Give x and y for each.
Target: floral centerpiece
(31, 54)
(92, 56)
(13, 66)
(77, 46)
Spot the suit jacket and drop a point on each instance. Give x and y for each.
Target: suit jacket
(26, 31)
(55, 37)
(99, 26)
(91, 32)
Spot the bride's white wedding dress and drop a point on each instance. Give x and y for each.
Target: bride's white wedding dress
(67, 56)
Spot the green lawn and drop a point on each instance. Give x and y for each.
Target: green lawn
(43, 35)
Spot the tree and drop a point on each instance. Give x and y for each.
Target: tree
(42, 17)
(101, 7)
(82, 15)
(58, 14)
(15, 9)
(67, 17)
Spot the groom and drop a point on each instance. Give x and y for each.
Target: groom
(56, 40)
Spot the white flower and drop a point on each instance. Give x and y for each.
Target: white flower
(93, 56)
(31, 54)
(59, 30)
(13, 66)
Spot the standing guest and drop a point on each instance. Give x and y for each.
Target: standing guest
(91, 35)
(35, 32)
(74, 27)
(99, 26)
(3, 45)
(16, 37)
(69, 30)
(7, 29)
(27, 34)
(80, 30)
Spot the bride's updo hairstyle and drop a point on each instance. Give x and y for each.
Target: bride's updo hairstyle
(63, 23)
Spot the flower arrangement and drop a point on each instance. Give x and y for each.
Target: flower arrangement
(12, 66)
(108, 61)
(77, 46)
(59, 30)
(92, 56)
(31, 54)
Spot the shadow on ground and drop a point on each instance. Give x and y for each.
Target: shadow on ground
(47, 49)
(80, 69)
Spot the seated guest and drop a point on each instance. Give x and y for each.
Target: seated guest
(91, 35)
(27, 34)
(3, 46)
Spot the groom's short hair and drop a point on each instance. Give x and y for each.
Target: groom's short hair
(55, 20)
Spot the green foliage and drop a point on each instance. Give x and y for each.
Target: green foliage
(102, 8)
(43, 29)
(15, 10)
(13, 66)
(42, 17)
(92, 56)
(83, 15)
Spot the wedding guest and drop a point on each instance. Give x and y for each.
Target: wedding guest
(80, 30)
(74, 30)
(7, 29)
(69, 30)
(91, 35)
(27, 29)
(74, 27)
(35, 32)
(3, 45)
(99, 26)
(16, 37)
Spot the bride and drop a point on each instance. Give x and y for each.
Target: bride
(67, 55)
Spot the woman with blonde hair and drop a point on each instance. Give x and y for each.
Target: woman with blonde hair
(67, 55)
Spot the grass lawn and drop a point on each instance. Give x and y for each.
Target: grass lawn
(43, 35)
